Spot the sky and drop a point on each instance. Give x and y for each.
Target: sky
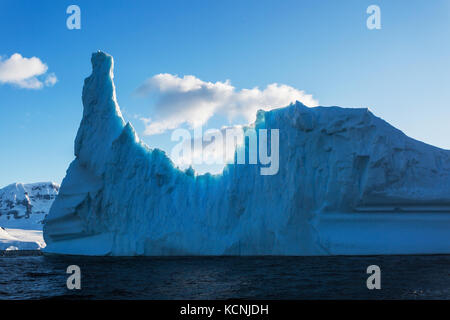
(213, 64)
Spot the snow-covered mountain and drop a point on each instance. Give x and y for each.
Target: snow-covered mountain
(348, 183)
(24, 206)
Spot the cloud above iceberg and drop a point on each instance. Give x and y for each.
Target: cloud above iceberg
(25, 73)
(190, 100)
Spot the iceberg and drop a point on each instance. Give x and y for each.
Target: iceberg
(348, 183)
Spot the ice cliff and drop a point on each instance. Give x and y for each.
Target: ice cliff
(348, 183)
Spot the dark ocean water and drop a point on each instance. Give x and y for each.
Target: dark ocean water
(402, 277)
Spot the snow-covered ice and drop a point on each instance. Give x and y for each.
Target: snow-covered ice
(348, 183)
(19, 239)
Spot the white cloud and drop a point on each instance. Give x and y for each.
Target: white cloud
(24, 72)
(193, 101)
(51, 80)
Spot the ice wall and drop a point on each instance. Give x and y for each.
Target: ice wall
(348, 183)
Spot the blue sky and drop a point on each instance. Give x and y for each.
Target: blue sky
(402, 71)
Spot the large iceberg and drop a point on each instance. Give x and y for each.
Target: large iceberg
(348, 183)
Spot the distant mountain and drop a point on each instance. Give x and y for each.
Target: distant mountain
(24, 206)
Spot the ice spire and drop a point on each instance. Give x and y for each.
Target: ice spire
(102, 120)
